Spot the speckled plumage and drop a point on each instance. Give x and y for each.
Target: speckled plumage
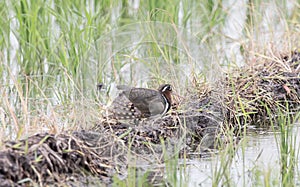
(137, 103)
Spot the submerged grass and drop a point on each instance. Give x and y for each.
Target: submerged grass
(50, 65)
(287, 143)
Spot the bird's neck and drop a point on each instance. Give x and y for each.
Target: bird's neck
(168, 99)
(167, 95)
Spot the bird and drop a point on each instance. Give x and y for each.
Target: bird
(140, 103)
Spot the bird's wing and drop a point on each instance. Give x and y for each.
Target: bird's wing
(142, 94)
(149, 102)
(123, 108)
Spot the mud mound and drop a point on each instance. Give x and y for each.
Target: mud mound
(256, 95)
(198, 116)
(48, 159)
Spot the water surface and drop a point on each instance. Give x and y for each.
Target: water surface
(257, 158)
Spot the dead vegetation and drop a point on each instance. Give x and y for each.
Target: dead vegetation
(255, 95)
(252, 95)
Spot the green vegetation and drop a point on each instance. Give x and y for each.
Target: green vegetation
(53, 54)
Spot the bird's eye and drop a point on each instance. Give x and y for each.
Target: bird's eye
(166, 87)
(169, 88)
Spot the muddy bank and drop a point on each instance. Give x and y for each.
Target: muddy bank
(204, 120)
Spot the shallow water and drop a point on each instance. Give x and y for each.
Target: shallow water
(258, 159)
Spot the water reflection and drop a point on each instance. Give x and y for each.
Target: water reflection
(255, 162)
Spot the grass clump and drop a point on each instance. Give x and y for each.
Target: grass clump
(261, 88)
